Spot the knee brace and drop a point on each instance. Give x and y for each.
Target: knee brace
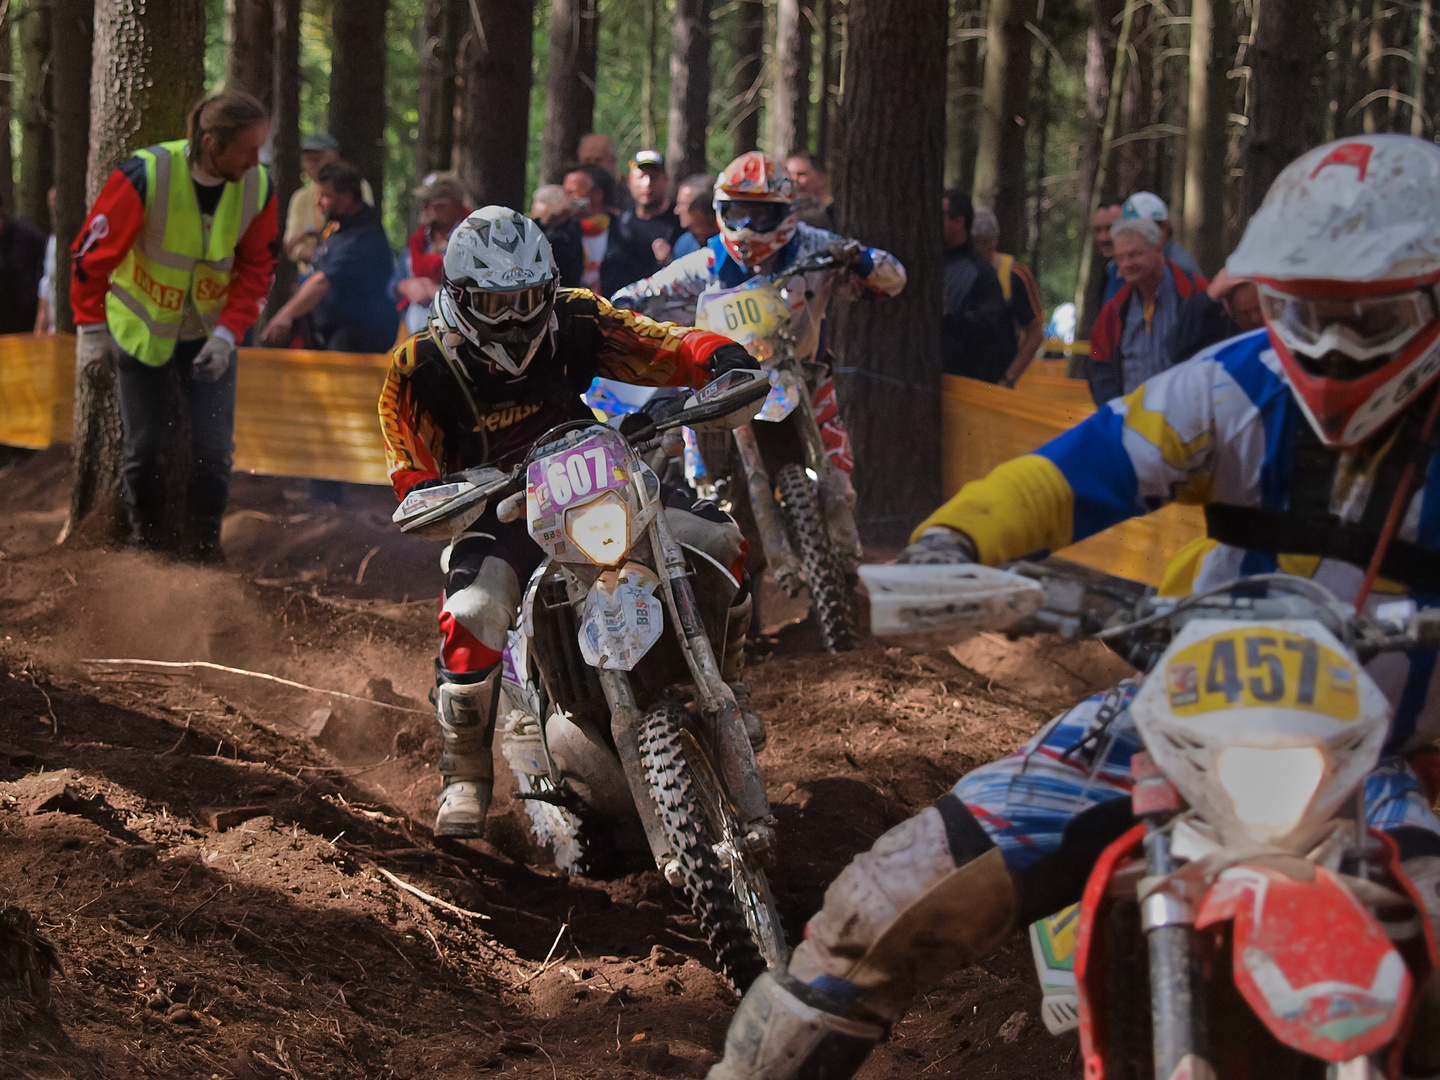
(477, 614)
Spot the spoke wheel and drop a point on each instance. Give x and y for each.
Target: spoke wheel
(819, 563)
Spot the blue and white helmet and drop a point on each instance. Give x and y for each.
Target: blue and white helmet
(497, 299)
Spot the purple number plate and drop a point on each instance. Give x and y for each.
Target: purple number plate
(574, 476)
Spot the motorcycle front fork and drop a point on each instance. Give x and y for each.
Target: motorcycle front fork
(1175, 1008)
(773, 537)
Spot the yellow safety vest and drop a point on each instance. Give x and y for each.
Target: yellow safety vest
(1007, 264)
(176, 256)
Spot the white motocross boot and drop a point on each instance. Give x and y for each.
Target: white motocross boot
(465, 709)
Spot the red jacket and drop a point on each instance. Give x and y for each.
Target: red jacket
(114, 225)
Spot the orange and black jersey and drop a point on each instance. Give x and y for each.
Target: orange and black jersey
(430, 428)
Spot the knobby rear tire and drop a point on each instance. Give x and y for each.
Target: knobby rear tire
(819, 562)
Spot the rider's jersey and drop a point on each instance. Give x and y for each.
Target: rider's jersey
(690, 275)
(431, 429)
(1221, 430)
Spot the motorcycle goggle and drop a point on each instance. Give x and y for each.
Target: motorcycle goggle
(1360, 328)
(760, 217)
(493, 307)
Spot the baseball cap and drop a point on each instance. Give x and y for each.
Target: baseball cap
(320, 142)
(439, 184)
(1145, 204)
(648, 159)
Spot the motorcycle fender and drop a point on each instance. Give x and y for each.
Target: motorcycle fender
(622, 619)
(1311, 960)
(1090, 953)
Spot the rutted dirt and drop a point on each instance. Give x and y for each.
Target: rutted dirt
(221, 861)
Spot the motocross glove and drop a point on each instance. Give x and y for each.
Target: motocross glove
(93, 346)
(731, 357)
(215, 356)
(939, 546)
(641, 424)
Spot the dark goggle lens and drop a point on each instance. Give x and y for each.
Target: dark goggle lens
(757, 216)
(490, 304)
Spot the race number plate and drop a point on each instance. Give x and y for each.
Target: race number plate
(747, 313)
(568, 479)
(1266, 666)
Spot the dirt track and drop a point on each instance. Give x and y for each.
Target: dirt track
(222, 886)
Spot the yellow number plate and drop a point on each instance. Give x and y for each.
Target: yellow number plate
(1242, 669)
(744, 314)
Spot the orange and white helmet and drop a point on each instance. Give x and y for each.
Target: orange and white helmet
(1345, 250)
(755, 206)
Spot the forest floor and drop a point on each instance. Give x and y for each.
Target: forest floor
(219, 859)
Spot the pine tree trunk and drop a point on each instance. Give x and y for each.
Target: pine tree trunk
(37, 146)
(831, 14)
(790, 110)
(1004, 107)
(497, 103)
(7, 160)
(1100, 43)
(1133, 162)
(1422, 66)
(357, 81)
(71, 34)
(148, 70)
(285, 133)
(1283, 123)
(1212, 45)
(749, 71)
(689, 88)
(442, 26)
(894, 98)
(251, 64)
(964, 79)
(570, 94)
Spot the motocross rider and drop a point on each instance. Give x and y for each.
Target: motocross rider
(760, 232)
(1294, 436)
(504, 358)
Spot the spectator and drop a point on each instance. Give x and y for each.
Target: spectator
(555, 213)
(1144, 204)
(1127, 345)
(695, 206)
(443, 205)
(45, 313)
(1022, 293)
(347, 295)
(22, 267)
(1227, 307)
(598, 152)
(1096, 288)
(148, 292)
(304, 219)
(643, 233)
(810, 183)
(976, 336)
(588, 198)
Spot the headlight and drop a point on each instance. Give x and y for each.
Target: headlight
(601, 529)
(1270, 789)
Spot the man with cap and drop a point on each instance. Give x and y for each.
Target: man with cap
(632, 251)
(443, 205)
(1146, 205)
(305, 221)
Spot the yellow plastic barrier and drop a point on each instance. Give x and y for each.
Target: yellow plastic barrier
(986, 425)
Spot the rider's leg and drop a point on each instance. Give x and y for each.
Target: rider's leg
(1397, 804)
(482, 592)
(1012, 842)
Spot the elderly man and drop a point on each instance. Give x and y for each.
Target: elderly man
(1149, 206)
(443, 205)
(1022, 292)
(304, 220)
(644, 233)
(1127, 345)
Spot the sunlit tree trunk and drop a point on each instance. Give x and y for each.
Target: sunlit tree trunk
(37, 145)
(790, 107)
(357, 82)
(689, 87)
(1005, 103)
(894, 97)
(71, 34)
(497, 103)
(570, 97)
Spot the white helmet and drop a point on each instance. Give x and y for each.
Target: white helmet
(1345, 250)
(497, 298)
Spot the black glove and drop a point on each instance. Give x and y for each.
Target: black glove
(731, 357)
(661, 407)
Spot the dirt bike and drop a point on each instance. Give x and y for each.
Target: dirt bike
(615, 719)
(1281, 936)
(801, 503)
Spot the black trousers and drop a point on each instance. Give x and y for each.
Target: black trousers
(148, 421)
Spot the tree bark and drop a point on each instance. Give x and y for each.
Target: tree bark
(7, 160)
(251, 66)
(1422, 67)
(689, 88)
(964, 85)
(497, 103)
(894, 98)
(648, 125)
(1004, 105)
(37, 147)
(357, 82)
(442, 26)
(1100, 43)
(832, 34)
(71, 34)
(790, 109)
(1283, 125)
(570, 94)
(749, 44)
(148, 71)
(1134, 164)
(1212, 45)
(285, 133)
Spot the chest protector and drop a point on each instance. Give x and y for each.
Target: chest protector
(177, 256)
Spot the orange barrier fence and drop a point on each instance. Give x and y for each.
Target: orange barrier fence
(986, 425)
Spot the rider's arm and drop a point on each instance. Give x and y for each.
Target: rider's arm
(1132, 456)
(414, 445)
(639, 350)
(685, 277)
(881, 272)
